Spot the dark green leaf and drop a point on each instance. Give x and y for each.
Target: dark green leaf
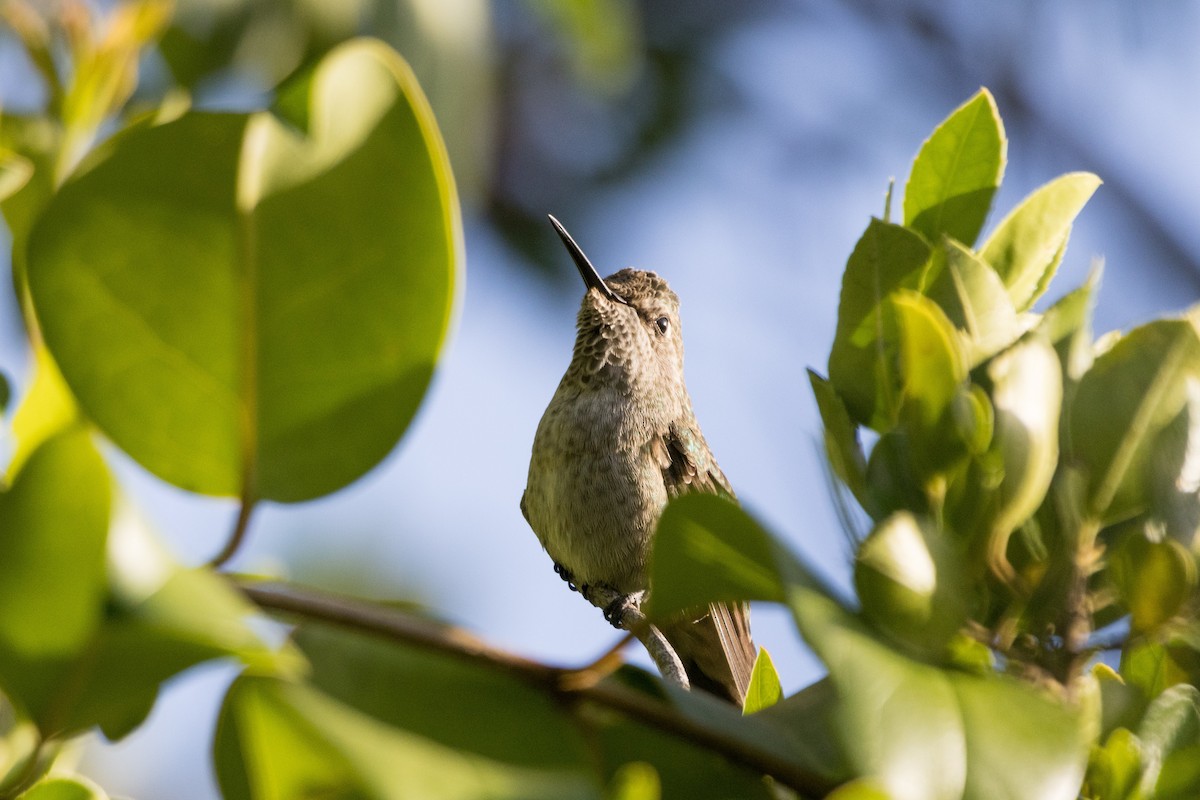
(1028, 244)
(862, 362)
(841, 437)
(707, 549)
(764, 690)
(282, 740)
(445, 700)
(282, 348)
(1131, 392)
(958, 169)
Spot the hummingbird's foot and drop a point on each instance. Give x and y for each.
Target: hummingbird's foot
(625, 604)
(566, 575)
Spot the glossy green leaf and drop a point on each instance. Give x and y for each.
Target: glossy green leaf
(277, 740)
(1027, 245)
(862, 362)
(460, 705)
(74, 788)
(282, 348)
(1170, 736)
(842, 447)
(53, 527)
(764, 690)
(1131, 392)
(973, 297)
(706, 550)
(956, 173)
(929, 733)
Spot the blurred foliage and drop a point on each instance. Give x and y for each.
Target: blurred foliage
(251, 303)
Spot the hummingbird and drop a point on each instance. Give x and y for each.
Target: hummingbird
(617, 441)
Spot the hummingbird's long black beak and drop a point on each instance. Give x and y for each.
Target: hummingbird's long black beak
(586, 271)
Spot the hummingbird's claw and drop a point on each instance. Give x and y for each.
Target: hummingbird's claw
(615, 611)
(566, 575)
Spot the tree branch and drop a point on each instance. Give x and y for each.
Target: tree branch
(573, 685)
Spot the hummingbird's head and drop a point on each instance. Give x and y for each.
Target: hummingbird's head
(627, 331)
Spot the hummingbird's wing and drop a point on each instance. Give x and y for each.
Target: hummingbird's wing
(716, 650)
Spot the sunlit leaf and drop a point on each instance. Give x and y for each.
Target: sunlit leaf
(971, 294)
(1027, 245)
(53, 527)
(1170, 736)
(862, 362)
(958, 169)
(1154, 577)
(636, 780)
(46, 409)
(764, 690)
(58, 788)
(282, 348)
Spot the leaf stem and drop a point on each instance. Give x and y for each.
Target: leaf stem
(238, 535)
(565, 683)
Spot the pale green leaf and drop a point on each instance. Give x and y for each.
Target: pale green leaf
(59, 788)
(971, 294)
(956, 173)
(841, 437)
(764, 690)
(1027, 245)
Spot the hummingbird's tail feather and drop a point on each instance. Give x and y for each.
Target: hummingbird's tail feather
(716, 650)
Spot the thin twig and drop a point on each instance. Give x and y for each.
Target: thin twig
(634, 621)
(397, 626)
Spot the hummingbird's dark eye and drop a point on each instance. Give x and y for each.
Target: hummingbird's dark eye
(663, 324)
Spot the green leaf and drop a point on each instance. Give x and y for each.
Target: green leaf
(956, 173)
(46, 409)
(636, 780)
(1005, 486)
(972, 295)
(707, 550)
(15, 172)
(1154, 578)
(842, 447)
(1027, 245)
(765, 689)
(864, 789)
(1115, 769)
(282, 740)
(53, 527)
(73, 788)
(159, 620)
(910, 580)
(1170, 735)
(1068, 326)
(862, 362)
(459, 705)
(282, 348)
(5, 393)
(930, 733)
(1131, 393)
